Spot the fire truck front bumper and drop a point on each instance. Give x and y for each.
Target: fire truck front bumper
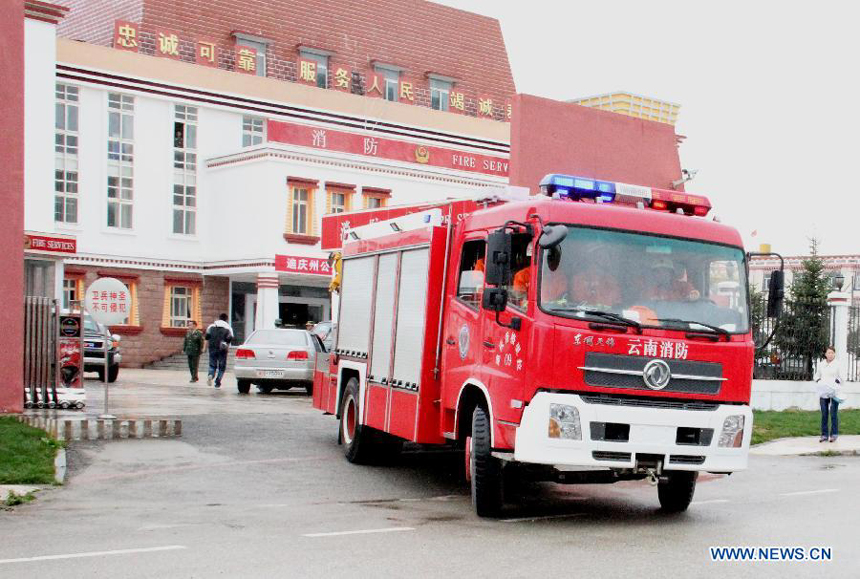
(569, 431)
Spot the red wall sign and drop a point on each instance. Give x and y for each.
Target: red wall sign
(382, 148)
(52, 244)
(301, 264)
(334, 225)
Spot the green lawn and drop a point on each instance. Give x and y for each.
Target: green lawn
(26, 453)
(768, 425)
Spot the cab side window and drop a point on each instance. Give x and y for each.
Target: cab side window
(521, 258)
(470, 278)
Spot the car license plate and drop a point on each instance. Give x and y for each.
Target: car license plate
(270, 373)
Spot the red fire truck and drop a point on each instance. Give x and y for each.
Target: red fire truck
(594, 333)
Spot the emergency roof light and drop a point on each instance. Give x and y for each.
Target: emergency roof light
(574, 188)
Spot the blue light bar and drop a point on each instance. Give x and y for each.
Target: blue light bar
(575, 188)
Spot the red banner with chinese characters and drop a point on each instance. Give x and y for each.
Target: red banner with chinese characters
(52, 244)
(335, 225)
(301, 264)
(383, 148)
(167, 44)
(206, 53)
(246, 59)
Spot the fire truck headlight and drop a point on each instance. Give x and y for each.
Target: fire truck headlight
(732, 435)
(564, 422)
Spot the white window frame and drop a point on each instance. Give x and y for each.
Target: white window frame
(66, 143)
(70, 286)
(390, 80)
(335, 207)
(253, 131)
(179, 295)
(441, 87)
(184, 214)
(120, 173)
(301, 209)
(322, 65)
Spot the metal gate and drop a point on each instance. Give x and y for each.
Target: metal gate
(853, 344)
(41, 317)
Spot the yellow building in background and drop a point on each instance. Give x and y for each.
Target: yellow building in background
(633, 105)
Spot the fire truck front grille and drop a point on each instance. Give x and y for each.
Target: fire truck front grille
(611, 456)
(686, 459)
(616, 371)
(648, 402)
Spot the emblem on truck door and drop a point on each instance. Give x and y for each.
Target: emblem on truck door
(656, 374)
(463, 342)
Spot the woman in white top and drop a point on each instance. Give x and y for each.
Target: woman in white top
(828, 379)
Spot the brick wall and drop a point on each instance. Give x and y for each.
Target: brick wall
(419, 36)
(147, 342)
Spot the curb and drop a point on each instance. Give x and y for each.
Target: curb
(67, 429)
(60, 466)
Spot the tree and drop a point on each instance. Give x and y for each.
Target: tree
(804, 327)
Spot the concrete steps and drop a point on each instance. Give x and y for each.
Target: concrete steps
(180, 361)
(104, 429)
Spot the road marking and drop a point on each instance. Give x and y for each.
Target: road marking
(361, 532)
(710, 502)
(801, 493)
(541, 518)
(93, 554)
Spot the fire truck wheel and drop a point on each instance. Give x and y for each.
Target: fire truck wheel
(244, 386)
(676, 493)
(355, 438)
(485, 469)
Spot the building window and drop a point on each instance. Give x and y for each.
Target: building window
(253, 131)
(66, 154)
(375, 198)
(391, 82)
(180, 306)
(256, 46)
(439, 93)
(185, 170)
(120, 173)
(72, 291)
(321, 68)
(338, 198)
(300, 210)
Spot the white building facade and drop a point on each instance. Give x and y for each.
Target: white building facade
(202, 189)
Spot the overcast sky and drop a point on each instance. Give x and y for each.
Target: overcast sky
(768, 92)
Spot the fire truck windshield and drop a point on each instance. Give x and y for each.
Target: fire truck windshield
(656, 281)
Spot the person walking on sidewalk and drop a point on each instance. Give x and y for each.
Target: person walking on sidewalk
(193, 347)
(829, 380)
(219, 335)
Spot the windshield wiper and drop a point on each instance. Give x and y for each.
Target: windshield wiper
(690, 323)
(605, 315)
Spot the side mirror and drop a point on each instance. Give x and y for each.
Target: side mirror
(775, 294)
(498, 264)
(495, 299)
(552, 235)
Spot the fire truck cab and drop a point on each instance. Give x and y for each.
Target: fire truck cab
(581, 335)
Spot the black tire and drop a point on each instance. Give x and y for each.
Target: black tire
(676, 493)
(101, 374)
(266, 389)
(486, 470)
(113, 373)
(309, 388)
(244, 386)
(357, 439)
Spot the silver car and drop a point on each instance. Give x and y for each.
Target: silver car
(277, 358)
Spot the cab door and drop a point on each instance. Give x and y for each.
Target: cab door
(505, 350)
(462, 339)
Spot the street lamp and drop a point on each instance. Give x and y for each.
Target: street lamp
(838, 280)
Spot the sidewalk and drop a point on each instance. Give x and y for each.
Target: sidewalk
(807, 445)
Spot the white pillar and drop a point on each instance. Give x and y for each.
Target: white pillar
(840, 302)
(335, 305)
(267, 300)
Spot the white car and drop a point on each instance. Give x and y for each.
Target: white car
(277, 358)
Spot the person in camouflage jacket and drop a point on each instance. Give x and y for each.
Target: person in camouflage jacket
(193, 347)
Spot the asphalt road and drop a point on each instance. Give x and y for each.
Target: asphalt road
(252, 492)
